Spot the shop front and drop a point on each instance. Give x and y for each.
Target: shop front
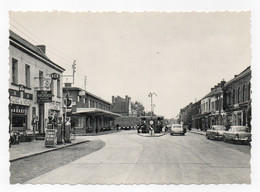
(19, 115)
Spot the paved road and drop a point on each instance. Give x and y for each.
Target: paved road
(130, 159)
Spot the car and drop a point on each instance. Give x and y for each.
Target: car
(238, 134)
(177, 129)
(216, 132)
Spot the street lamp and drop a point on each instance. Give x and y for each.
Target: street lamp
(151, 95)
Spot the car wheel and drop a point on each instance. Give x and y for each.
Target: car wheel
(207, 136)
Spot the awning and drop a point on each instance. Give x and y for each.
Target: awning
(96, 111)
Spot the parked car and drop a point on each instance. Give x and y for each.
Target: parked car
(216, 132)
(238, 134)
(177, 129)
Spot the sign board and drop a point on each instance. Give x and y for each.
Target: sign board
(50, 137)
(151, 122)
(82, 93)
(55, 76)
(44, 96)
(20, 101)
(47, 83)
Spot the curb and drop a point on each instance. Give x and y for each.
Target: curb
(152, 136)
(52, 149)
(198, 133)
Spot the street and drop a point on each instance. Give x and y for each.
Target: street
(128, 158)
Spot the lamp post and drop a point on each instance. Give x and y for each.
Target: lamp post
(151, 95)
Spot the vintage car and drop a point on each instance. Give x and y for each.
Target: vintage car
(238, 134)
(177, 129)
(216, 132)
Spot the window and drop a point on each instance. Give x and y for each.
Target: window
(238, 94)
(58, 88)
(249, 91)
(234, 96)
(14, 71)
(86, 100)
(27, 76)
(41, 80)
(243, 93)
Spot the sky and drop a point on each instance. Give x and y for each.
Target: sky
(177, 55)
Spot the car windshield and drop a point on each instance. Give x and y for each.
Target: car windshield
(218, 127)
(241, 129)
(176, 126)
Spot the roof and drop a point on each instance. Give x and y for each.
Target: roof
(91, 94)
(213, 92)
(96, 111)
(36, 50)
(240, 75)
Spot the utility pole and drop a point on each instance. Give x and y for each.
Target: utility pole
(85, 82)
(74, 69)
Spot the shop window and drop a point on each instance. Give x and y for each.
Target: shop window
(27, 76)
(14, 71)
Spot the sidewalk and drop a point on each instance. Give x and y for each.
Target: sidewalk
(197, 131)
(27, 149)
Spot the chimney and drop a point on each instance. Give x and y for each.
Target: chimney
(42, 48)
(67, 84)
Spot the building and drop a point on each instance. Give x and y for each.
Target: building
(35, 85)
(185, 115)
(121, 105)
(89, 112)
(195, 115)
(237, 105)
(212, 110)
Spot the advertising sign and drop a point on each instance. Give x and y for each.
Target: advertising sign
(50, 137)
(44, 96)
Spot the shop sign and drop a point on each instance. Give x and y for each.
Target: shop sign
(50, 137)
(44, 96)
(55, 76)
(20, 101)
(47, 83)
(82, 93)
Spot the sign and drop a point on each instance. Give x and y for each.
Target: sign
(82, 93)
(50, 137)
(20, 101)
(44, 96)
(55, 76)
(151, 122)
(47, 83)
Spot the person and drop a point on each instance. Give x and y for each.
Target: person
(96, 130)
(117, 127)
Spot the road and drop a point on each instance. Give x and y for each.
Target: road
(131, 159)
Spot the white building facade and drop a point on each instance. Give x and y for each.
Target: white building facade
(35, 85)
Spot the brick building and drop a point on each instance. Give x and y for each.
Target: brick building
(32, 74)
(237, 105)
(89, 112)
(121, 105)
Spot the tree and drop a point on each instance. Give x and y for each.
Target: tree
(137, 108)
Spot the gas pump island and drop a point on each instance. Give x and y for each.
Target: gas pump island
(58, 130)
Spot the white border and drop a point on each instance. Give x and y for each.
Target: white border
(131, 6)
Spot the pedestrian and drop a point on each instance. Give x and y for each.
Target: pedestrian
(117, 127)
(96, 130)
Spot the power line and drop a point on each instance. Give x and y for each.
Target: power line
(63, 55)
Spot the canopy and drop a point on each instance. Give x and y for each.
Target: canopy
(96, 111)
